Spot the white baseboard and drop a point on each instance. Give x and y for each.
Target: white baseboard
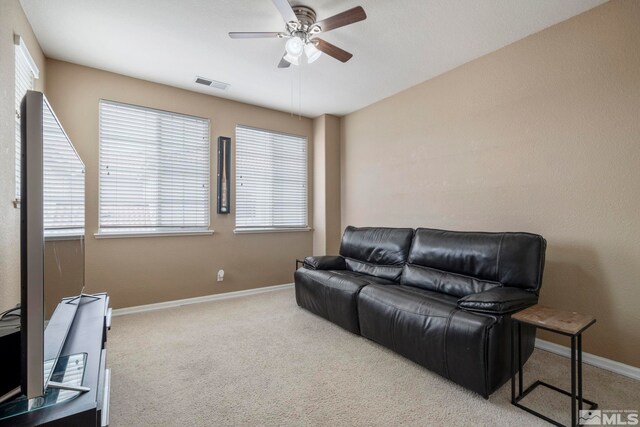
(591, 359)
(197, 300)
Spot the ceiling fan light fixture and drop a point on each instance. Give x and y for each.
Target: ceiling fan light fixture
(312, 52)
(294, 47)
(295, 60)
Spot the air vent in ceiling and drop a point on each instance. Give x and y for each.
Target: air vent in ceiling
(212, 83)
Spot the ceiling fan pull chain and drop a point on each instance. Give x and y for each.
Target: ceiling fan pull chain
(299, 93)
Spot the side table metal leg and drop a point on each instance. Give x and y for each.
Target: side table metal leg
(573, 381)
(519, 359)
(513, 361)
(580, 372)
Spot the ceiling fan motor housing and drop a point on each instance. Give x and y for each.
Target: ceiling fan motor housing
(305, 15)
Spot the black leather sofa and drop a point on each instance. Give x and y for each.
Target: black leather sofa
(440, 298)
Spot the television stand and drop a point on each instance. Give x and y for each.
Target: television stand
(61, 386)
(82, 295)
(78, 391)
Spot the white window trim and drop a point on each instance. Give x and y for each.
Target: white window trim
(249, 230)
(159, 233)
(59, 237)
(120, 233)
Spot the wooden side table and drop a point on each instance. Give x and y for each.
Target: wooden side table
(566, 323)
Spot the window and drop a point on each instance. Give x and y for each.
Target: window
(154, 170)
(25, 74)
(63, 181)
(271, 180)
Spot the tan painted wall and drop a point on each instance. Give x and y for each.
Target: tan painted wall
(332, 179)
(326, 197)
(12, 21)
(542, 136)
(319, 188)
(146, 270)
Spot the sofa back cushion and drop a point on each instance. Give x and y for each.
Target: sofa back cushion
(512, 259)
(444, 282)
(377, 251)
(390, 272)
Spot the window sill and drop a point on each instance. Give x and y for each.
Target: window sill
(270, 230)
(57, 237)
(167, 233)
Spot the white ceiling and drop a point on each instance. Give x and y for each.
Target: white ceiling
(401, 43)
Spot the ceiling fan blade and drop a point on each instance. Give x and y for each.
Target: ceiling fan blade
(245, 35)
(341, 19)
(332, 50)
(285, 10)
(283, 62)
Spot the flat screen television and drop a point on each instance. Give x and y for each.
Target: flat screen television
(52, 211)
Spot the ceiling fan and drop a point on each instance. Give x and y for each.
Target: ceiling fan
(302, 30)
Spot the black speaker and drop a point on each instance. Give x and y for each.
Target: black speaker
(9, 356)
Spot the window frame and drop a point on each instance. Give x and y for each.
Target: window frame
(135, 231)
(272, 229)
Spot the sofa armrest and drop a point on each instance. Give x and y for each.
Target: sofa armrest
(498, 300)
(325, 263)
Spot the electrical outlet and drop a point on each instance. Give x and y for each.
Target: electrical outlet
(220, 275)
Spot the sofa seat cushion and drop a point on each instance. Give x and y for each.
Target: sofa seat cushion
(441, 281)
(332, 294)
(420, 301)
(428, 328)
(370, 279)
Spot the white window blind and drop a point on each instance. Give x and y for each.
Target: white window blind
(63, 173)
(271, 179)
(25, 74)
(154, 170)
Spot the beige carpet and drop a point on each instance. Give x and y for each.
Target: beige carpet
(262, 360)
